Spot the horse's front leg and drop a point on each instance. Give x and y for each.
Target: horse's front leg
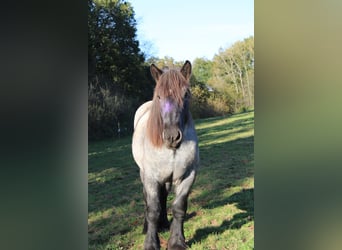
(164, 223)
(179, 207)
(152, 213)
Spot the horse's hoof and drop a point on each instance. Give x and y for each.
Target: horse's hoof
(151, 247)
(176, 245)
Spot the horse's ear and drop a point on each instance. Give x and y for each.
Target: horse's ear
(186, 70)
(155, 72)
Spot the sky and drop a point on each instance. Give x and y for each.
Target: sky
(189, 29)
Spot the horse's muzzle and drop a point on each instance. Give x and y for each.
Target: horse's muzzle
(172, 137)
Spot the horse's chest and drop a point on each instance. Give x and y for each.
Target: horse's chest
(166, 163)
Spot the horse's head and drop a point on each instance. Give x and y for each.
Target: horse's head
(171, 102)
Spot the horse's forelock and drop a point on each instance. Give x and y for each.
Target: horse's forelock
(172, 85)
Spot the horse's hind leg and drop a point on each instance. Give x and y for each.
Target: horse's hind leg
(179, 207)
(145, 215)
(164, 223)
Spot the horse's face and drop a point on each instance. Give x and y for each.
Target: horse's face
(174, 118)
(172, 98)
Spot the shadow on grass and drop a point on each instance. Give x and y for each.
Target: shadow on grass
(115, 198)
(244, 201)
(223, 126)
(227, 161)
(109, 153)
(223, 166)
(100, 232)
(114, 177)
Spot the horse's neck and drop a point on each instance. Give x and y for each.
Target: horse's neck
(189, 120)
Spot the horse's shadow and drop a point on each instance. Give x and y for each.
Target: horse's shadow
(244, 201)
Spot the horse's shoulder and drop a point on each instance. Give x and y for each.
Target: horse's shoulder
(141, 111)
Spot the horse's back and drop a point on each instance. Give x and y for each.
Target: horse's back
(140, 121)
(141, 111)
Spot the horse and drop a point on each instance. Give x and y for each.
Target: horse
(165, 148)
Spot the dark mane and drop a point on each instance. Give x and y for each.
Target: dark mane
(172, 84)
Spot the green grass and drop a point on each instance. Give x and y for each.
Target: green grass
(221, 209)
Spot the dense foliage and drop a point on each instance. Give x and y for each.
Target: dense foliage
(225, 84)
(119, 78)
(233, 74)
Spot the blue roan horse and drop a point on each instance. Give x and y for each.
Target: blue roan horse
(165, 147)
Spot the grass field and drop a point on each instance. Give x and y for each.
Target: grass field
(221, 210)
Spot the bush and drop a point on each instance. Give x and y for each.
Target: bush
(108, 114)
(209, 104)
(220, 105)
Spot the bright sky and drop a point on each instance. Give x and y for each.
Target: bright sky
(187, 29)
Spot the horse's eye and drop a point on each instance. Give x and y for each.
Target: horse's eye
(186, 95)
(158, 97)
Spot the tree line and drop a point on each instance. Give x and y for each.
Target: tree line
(119, 78)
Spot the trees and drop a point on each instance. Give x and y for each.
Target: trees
(233, 73)
(117, 76)
(113, 50)
(165, 62)
(229, 77)
(202, 69)
(226, 83)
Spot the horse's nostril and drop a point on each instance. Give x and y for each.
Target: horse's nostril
(179, 136)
